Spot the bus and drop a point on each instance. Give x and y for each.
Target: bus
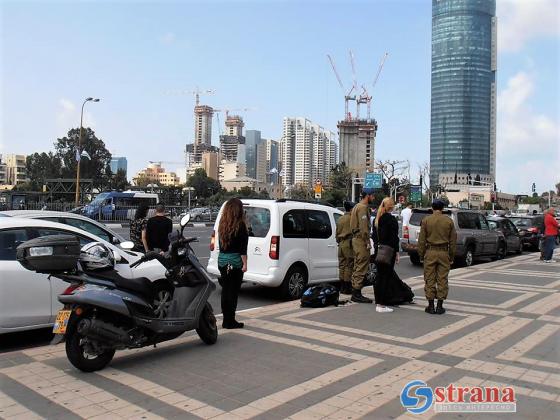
(118, 205)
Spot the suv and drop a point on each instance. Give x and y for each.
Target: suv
(474, 237)
(531, 229)
(291, 244)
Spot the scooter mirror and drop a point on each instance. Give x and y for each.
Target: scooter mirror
(185, 220)
(127, 245)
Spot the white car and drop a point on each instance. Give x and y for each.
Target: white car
(291, 244)
(28, 300)
(72, 219)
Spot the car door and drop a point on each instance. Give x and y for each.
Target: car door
(488, 238)
(513, 238)
(322, 246)
(25, 296)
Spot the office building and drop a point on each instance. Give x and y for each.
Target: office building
(118, 163)
(16, 169)
(463, 104)
(357, 144)
(272, 161)
(252, 139)
(305, 152)
(230, 170)
(3, 172)
(260, 162)
(202, 130)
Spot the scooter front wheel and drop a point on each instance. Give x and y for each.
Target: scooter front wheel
(76, 352)
(207, 329)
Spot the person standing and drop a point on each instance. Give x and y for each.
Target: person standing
(406, 214)
(436, 246)
(345, 253)
(158, 229)
(138, 229)
(361, 246)
(550, 234)
(232, 259)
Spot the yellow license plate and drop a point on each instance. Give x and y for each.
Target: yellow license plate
(61, 321)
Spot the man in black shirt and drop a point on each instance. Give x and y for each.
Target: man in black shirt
(157, 230)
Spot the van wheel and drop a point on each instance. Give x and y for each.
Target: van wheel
(294, 283)
(468, 259)
(415, 259)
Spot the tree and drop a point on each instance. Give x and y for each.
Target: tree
(299, 192)
(203, 185)
(119, 181)
(94, 166)
(341, 177)
(42, 166)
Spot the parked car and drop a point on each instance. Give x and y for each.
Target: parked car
(475, 240)
(71, 219)
(28, 300)
(531, 229)
(291, 244)
(200, 214)
(514, 244)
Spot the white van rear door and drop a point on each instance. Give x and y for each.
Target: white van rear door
(258, 224)
(323, 251)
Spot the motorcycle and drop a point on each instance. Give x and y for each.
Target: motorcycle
(104, 312)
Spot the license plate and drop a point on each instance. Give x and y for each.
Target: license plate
(61, 322)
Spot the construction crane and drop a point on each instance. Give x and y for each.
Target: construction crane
(348, 96)
(170, 162)
(227, 111)
(365, 97)
(197, 92)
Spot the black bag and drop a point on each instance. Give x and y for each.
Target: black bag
(384, 255)
(320, 296)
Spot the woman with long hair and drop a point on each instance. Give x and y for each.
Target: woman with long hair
(389, 289)
(138, 229)
(232, 259)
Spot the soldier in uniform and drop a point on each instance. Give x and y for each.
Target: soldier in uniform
(436, 245)
(345, 253)
(360, 225)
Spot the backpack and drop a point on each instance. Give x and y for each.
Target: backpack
(320, 296)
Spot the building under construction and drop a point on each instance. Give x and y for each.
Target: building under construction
(357, 144)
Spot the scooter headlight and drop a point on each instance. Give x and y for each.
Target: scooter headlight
(181, 251)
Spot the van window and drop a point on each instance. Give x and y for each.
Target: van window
(417, 217)
(481, 222)
(319, 224)
(258, 221)
(467, 220)
(293, 224)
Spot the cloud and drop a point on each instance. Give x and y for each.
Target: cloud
(527, 142)
(68, 116)
(520, 21)
(168, 38)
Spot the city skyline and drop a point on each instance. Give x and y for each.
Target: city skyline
(134, 62)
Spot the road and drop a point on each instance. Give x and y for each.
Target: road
(251, 296)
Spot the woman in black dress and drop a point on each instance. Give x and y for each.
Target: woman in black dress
(232, 259)
(389, 288)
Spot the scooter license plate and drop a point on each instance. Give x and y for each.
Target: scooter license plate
(61, 322)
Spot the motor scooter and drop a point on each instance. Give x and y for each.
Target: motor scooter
(104, 312)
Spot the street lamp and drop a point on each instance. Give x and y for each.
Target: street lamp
(79, 151)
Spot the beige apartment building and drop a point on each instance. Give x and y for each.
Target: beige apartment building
(156, 174)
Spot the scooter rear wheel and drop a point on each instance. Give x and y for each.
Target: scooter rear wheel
(207, 329)
(79, 357)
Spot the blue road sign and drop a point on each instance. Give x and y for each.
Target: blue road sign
(415, 193)
(373, 180)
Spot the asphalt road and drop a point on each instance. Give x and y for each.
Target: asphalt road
(251, 296)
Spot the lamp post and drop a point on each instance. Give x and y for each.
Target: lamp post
(79, 150)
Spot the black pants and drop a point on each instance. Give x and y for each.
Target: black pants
(230, 291)
(382, 287)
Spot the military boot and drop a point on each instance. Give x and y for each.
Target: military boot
(345, 288)
(359, 298)
(440, 309)
(430, 308)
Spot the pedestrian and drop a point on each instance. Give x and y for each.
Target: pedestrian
(550, 234)
(389, 289)
(361, 245)
(436, 246)
(232, 259)
(345, 253)
(138, 229)
(406, 214)
(158, 229)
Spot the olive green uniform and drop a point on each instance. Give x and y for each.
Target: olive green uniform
(345, 253)
(360, 226)
(436, 245)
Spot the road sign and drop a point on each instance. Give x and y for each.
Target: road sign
(373, 180)
(415, 193)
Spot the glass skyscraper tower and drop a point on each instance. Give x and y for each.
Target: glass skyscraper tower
(463, 108)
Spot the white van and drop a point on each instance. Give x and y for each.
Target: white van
(291, 244)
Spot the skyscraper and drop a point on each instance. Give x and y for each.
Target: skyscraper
(463, 111)
(252, 139)
(118, 163)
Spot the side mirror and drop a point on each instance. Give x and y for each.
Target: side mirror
(127, 245)
(116, 240)
(185, 220)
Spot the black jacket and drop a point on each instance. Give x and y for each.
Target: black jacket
(388, 231)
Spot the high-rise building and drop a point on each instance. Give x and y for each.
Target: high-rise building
(305, 151)
(260, 162)
(232, 144)
(357, 144)
(272, 161)
(202, 130)
(234, 125)
(463, 110)
(118, 163)
(16, 169)
(252, 139)
(3, 170)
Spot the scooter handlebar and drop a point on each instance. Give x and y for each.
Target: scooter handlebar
(150, 255)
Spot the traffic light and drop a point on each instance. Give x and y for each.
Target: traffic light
(493, 197)
(534, 187)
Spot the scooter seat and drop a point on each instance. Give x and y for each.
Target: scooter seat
(138, 285)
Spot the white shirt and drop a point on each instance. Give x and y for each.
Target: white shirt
(405, 214)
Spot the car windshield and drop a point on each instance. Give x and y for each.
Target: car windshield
(522, 221)
(258, 221)
(99, 199)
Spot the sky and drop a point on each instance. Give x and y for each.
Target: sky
(142, 58)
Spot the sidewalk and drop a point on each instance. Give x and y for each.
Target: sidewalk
(502, 328)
